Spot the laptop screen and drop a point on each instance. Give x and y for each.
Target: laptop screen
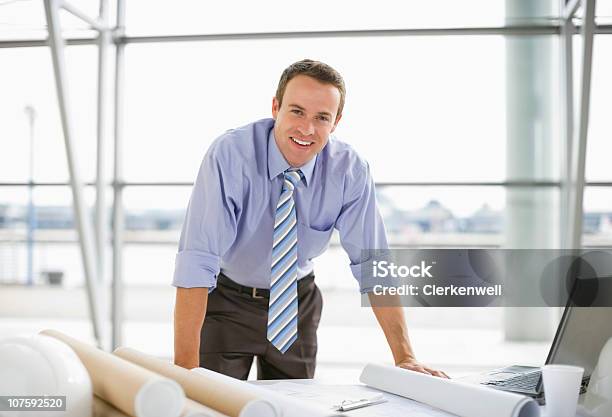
(581, 335)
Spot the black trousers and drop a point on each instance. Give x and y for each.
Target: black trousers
(235, 332)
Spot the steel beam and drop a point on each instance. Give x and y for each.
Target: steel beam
(580, 140)
(104, 40)
(477, 31)
(567, 127)
(570, 9)
(531, 30)
(37, 43)
(96, 24)
(117, 313)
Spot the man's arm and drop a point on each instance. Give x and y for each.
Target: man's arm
(361, 227)
(208, 231)
(393, 324)
(189, 313)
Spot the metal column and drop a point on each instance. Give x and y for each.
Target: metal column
(530, 156)
(83, 221)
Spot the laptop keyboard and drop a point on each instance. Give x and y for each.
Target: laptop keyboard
(523, 382)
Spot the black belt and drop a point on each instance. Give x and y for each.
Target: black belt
(253, 292)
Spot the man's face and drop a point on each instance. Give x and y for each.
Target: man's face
(308, 114)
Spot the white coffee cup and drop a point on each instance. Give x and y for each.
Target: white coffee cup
(561, 389)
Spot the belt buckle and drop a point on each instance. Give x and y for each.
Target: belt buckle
(254, 293)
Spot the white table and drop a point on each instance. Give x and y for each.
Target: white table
(329, 394)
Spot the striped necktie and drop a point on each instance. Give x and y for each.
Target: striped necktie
(283, 306)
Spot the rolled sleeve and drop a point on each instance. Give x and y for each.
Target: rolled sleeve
(195, 269)
(356, 269)
(210, 223)
(360, 225)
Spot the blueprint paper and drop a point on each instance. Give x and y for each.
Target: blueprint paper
(328, 395)
(287, 406)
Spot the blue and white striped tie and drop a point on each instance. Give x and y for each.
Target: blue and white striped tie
(283, 307)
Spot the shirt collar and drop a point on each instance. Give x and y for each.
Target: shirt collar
(277, 163)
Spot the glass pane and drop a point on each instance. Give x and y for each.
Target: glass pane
(192, 16)
(36, 89)
(56, 297)
(13, 201)
(46, 239)
(419, 108)
(431, 216)
(597, 223)
(25, 19)
(599, 144)
(603, 12)
(154, 217)
(53, 246)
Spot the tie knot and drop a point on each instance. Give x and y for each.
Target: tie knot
(293, 175)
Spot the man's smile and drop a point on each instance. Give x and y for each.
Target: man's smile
(301, 143)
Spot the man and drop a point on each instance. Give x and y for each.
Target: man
(266, 200)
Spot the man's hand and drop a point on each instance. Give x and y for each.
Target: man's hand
(393, 324)
(413, 365)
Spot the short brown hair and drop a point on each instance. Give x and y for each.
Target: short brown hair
(317, 70)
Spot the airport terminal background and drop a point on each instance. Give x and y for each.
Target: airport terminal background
(450, 121)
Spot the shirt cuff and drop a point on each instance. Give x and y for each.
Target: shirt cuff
(196, 269)
(364, 287)
(364, 276)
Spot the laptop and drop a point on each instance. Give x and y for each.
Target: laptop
(580, 336)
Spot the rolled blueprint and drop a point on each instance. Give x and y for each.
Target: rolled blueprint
(460, 398)
(133, 390)
(192, 409)
(103, 409)
(195, 409)
(286, 406)
(226, 398)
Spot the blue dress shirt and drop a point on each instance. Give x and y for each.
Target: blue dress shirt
(230, 218)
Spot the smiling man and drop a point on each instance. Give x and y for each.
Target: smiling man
(265, 202)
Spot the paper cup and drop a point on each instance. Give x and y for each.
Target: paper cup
(561, 389)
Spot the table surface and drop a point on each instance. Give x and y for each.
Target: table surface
(323, 391)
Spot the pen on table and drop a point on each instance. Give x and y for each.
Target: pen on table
(348, 405)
